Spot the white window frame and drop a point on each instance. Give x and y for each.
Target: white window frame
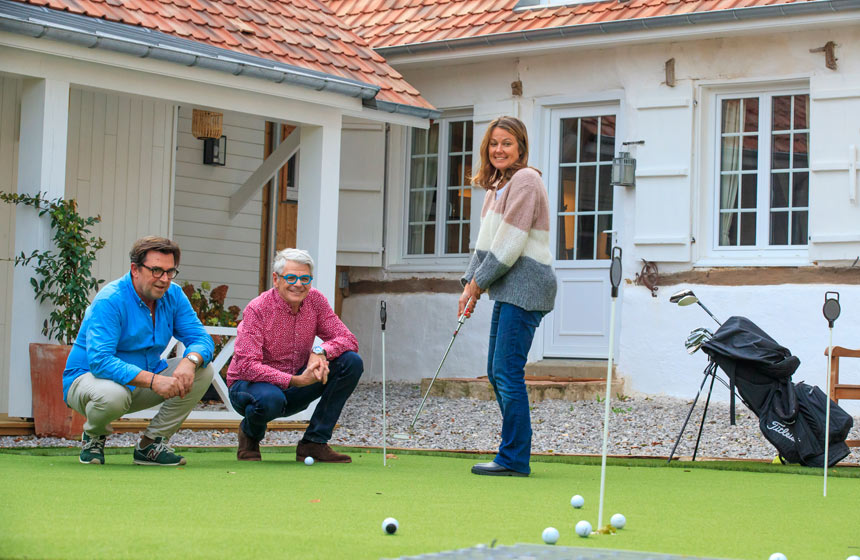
(761, 254)
(455, 261)
(551, 164)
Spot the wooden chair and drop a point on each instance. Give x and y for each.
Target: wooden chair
(221, 387)
(842, 390)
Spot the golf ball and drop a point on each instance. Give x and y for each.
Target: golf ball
(577, 501)
(309, 460)
(390, 525)
(777, 556)
(855, 557)
(550, 535)
(618, 521)
(583, 529)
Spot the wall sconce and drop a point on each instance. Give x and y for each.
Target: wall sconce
(623, 170)
(215, 151)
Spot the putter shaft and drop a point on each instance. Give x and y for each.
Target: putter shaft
(460, 322)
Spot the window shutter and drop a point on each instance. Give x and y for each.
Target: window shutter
(834, 205)
(362, 174)
(663, 188)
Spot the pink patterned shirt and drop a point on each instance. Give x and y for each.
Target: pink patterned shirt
(273, 343)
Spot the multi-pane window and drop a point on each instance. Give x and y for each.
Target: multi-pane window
(764, 170)
(440, 167)
(586, 149)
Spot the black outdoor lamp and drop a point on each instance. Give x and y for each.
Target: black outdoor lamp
(215, 151)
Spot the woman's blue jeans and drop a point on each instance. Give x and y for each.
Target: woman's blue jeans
(512, 330)
(261, 402)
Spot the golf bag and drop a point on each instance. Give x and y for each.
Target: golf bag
(791, 416)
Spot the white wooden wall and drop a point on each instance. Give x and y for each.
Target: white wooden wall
(119, 166)
(214, 247)
(10, 112)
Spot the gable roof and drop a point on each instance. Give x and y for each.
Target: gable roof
(299, 34)
(391, 25)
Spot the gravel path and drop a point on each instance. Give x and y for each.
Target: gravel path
(641, 425)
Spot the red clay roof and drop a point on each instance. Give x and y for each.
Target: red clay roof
(303, 33)
(387, 23)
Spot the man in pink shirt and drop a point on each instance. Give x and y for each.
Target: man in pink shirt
(276, 369)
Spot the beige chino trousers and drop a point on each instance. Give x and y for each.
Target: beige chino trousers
(102, 401)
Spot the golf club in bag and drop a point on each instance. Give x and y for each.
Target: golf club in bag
(460, 321)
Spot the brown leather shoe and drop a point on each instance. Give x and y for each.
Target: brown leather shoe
(320, 452)
(249, 449)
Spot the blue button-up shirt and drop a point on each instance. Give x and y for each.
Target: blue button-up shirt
(118, 338)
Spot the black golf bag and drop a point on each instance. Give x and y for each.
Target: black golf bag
(791, 416)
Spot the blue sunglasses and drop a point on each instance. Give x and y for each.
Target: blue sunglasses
(291, 279)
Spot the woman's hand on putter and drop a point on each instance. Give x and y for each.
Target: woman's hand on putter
(470, 291)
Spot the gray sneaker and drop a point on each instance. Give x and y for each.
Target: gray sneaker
(93, 450)
(158, 454)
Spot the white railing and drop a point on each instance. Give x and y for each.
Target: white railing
(221, 387)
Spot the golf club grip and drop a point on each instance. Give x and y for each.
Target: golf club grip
(383, 313)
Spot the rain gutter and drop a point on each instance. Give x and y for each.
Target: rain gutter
(626, 26)
(43, 23)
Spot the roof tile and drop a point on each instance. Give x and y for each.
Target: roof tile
(380, 22)
(303, 33)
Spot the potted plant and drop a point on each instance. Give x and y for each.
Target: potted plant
(63, 278)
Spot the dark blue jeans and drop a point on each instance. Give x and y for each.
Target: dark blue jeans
(512, 330)
(261, 402)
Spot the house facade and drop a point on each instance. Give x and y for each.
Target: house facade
(97, 103)
(743, 119)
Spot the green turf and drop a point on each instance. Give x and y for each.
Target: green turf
(216, 507)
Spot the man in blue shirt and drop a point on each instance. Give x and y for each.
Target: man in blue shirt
(115, 366)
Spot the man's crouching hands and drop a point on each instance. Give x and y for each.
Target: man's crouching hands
(316, 372)
(165, 386)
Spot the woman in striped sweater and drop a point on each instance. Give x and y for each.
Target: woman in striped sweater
(512, 262)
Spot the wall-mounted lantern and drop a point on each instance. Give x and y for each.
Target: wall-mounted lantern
(623, 170)
(215, 151)
(207, 126)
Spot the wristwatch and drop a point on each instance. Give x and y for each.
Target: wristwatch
(197, 361)
(320, 351)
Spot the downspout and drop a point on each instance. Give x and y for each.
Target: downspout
(385, 190)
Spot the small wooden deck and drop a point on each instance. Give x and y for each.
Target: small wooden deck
(12, 426)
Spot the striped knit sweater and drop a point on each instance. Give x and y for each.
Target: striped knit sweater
(512, 259)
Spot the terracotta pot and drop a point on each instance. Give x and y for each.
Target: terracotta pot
(51, 416)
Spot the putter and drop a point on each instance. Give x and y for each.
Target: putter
(460, 322)
(687, 297)
(831, 312)
(383, 316)
(615, 280)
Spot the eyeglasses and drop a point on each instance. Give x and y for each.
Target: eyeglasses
(291, 279)
(158, 272)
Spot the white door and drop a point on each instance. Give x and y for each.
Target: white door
(581, 148)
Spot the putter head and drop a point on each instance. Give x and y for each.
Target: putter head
(678, 296)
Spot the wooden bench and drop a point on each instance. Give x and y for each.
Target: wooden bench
(221, 387)
(842, 390)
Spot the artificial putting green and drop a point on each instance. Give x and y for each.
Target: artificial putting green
(216, 507)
